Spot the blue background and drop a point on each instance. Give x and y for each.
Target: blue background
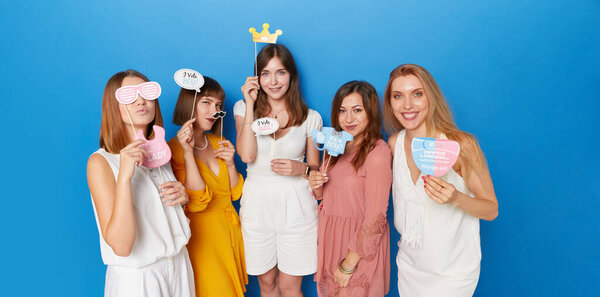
(521, 75)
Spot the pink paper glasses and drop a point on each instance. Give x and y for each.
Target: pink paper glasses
(148, 90)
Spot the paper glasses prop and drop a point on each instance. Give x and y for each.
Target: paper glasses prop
(128, 94)
(158, 150)
(333, 142)
(189, 79)
(263, 37)
(434, 156)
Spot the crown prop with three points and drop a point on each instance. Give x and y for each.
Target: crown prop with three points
(265, 36)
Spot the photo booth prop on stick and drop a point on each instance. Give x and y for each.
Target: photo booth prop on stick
(434, 156)
(334, 142)
(263, 37)
(220, 115)
(262, 124)
(190, 79)
(158, 151)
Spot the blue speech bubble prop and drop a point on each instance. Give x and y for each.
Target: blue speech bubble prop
(333, 141)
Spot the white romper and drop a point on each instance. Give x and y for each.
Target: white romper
(439, 251)
(279, 213)
(159, 264)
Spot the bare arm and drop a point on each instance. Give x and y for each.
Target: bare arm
(392, 142)
(112, 200)
(313, 156)
(246, 140)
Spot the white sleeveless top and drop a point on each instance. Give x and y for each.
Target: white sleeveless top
(291, 146)
(161, 231)
(439, 247)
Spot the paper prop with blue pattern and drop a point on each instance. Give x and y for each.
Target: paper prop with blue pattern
(190, 79)
(434, 156)
(333, 142)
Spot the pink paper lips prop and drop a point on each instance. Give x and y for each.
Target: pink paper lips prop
(158, 150)
(434, 156)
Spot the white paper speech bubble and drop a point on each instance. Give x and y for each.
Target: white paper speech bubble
(265, 126)
(189, 79)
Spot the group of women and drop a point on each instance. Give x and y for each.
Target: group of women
(146, 217)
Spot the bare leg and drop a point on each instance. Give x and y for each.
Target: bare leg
(268, 283)
(290, 285)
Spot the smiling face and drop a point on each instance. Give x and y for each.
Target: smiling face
(206, 106)
(352, 116)
(142, 111)
(409, 103)
(275, 79)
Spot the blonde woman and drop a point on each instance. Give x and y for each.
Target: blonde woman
(437, 217)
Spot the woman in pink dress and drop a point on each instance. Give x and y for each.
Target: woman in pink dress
(353, 237)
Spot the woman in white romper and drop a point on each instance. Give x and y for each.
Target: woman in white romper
(278, 211)
(142, 234)
(437, 218)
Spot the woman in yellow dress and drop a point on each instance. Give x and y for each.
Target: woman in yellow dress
(204, 164)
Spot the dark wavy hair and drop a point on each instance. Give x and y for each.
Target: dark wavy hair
(367, 140)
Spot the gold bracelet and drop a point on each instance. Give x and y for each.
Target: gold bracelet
(344, 271)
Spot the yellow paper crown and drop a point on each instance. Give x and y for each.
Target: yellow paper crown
(265, 36)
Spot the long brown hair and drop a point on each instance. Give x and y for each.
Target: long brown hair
(294, 103)
(439, 118)
(185, 102)
(366, 141)
(113, 133)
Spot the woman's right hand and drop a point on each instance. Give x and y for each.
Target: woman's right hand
(185, 136)
(316, 179)
(131, 156)
(250, 89)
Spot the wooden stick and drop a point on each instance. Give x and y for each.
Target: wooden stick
(329, 159)
(255, 60)
(193, 106)
(130, 121)
(161, 175)
(275, 143)
(222, 123)
(323, 162)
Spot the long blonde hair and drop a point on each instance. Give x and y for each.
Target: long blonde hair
(438, 119)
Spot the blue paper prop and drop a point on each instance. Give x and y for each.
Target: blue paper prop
(333, 141)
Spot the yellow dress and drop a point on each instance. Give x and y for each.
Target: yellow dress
(216, 248)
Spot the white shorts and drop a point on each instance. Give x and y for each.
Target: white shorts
(279, 225)
(170, 276)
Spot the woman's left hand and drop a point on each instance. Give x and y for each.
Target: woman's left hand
(340, 278)
(226, 151)
(288, 167)
(439, 190)
(174, 193)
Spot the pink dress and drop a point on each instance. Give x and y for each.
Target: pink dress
(353, 217)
